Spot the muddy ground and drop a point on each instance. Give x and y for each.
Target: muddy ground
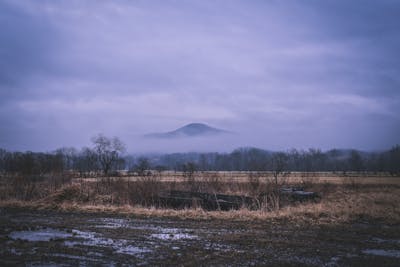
(51, 238)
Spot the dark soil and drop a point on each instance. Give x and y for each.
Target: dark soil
(53, 238)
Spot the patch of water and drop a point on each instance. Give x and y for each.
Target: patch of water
(95, 254)
(333, 262)
(305, 260)
(15, 252)
(132, 250)
(46, 234)
(221, 247)
(112, 223)
(92, 240)
(382, 252)
(159, 232)
(115, 223)
(42, 264)
(381, 240)
(86, 239)
(173, 236)
(73, 257)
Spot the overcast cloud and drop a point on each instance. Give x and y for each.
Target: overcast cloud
(280, 74)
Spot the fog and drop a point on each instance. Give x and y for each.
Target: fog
(279, 74)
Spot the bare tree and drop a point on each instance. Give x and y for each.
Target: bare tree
(108, 151)
(3, 157)
(143, 166)
(68, 155)
(86, 161)
(278, 166)
(189, 170)
(355, 161)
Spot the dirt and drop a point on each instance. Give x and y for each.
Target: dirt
(51, 238)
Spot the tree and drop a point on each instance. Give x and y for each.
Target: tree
(108, 151)
(69, 156)
(86, 161)
(203, 162)
(278, 163)
(3, 157)
(142, 166)
(189, 168)
(394, 160)
(355, 161)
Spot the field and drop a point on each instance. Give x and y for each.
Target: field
(292, 177)
(71, 238)
(104, 221)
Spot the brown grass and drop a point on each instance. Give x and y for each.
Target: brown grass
(292, 178)
(345, 199)
(339, 204)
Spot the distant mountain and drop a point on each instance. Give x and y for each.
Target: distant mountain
(189, 130)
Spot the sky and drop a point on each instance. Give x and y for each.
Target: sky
(280, 74)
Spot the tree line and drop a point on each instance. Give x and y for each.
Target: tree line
(103, 157)
(107, 155)
(254, 159)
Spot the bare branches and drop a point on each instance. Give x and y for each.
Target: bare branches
(108, 151)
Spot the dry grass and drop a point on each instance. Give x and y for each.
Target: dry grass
(339, 204)
(347, 205)
(292, 178)
(343, 199)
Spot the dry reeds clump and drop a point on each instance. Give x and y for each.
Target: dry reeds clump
(340, 202)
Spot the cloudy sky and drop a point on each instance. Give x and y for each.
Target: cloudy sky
(281, 74)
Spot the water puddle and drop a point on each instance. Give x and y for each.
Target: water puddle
(73, 257)
(221, 247)
(92, 239)
(46, 234)
(172, 234)
(305, 260)
(158, 231)
(383, 252)
(112, 223)
(382, 241)
(131, 250)
(79, 238)
(150, 234)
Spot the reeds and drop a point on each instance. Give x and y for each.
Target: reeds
(340, 202)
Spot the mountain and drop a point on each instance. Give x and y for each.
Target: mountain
(189, 130)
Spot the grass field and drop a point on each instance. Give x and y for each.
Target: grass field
(107, 221)
(342, 197)
(291, 177)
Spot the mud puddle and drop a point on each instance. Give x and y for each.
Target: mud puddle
(73, 239)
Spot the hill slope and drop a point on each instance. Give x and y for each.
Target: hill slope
(189, 130)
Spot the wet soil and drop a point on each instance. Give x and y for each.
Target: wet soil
(51, 238)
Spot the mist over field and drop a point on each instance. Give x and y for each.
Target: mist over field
(199, 133)
(279, 74)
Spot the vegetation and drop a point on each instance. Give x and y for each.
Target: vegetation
(344, 199)
(106, 157)
(312, 160)
(93, 177)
